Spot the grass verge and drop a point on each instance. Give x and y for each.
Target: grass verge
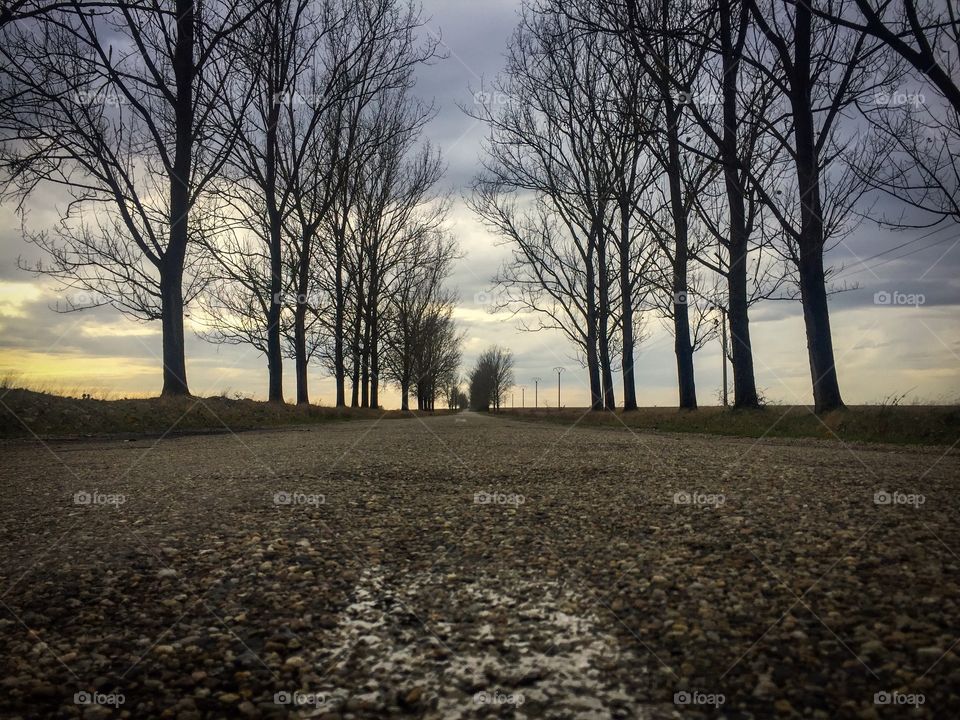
(898, 424)
(25, 413)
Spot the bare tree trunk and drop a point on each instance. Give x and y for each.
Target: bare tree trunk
(340, 372)
(744, 382)
(300, 318)
(683, 348)
(813, 291)
(300, 352)
(365, 362)
(626, 310)
(405, 395)
(171, 280)
(593, 368)
(174, 362)
(339, 369)
(274, 347)
(355, 374)
(374, 356)
(603, 334)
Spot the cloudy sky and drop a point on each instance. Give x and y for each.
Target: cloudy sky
(882, 350)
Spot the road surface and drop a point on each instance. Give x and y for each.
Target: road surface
(469, 566)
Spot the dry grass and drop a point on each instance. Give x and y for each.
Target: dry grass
(28, 412)
(900, 424)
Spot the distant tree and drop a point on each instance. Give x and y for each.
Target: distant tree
(559, 172)
(421, 350)
(437, 353)
(490, 379)
(456, 398)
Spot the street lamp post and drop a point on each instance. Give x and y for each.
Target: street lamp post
(558, 370)
(523, 396)
(536, 386)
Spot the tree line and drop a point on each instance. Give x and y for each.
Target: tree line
(686, 159)
(262, 161)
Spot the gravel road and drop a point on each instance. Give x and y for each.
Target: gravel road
(468, 567)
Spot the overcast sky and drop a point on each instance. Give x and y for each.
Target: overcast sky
(881, 350)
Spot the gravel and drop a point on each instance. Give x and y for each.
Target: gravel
(469, 567)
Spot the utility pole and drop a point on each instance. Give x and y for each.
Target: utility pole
(558, 370)
(536, 386)
(523, 396)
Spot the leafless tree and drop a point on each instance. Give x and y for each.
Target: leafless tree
(421, 348)
(330, 82)
(122, 105)
(821, 70)
(491, 378)
(561, 163)
(654, 42)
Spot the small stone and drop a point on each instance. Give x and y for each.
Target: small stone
(166, 573)
(96, 712)
(872, 648)
(783, 707)
(930, 653)
(764, 687)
